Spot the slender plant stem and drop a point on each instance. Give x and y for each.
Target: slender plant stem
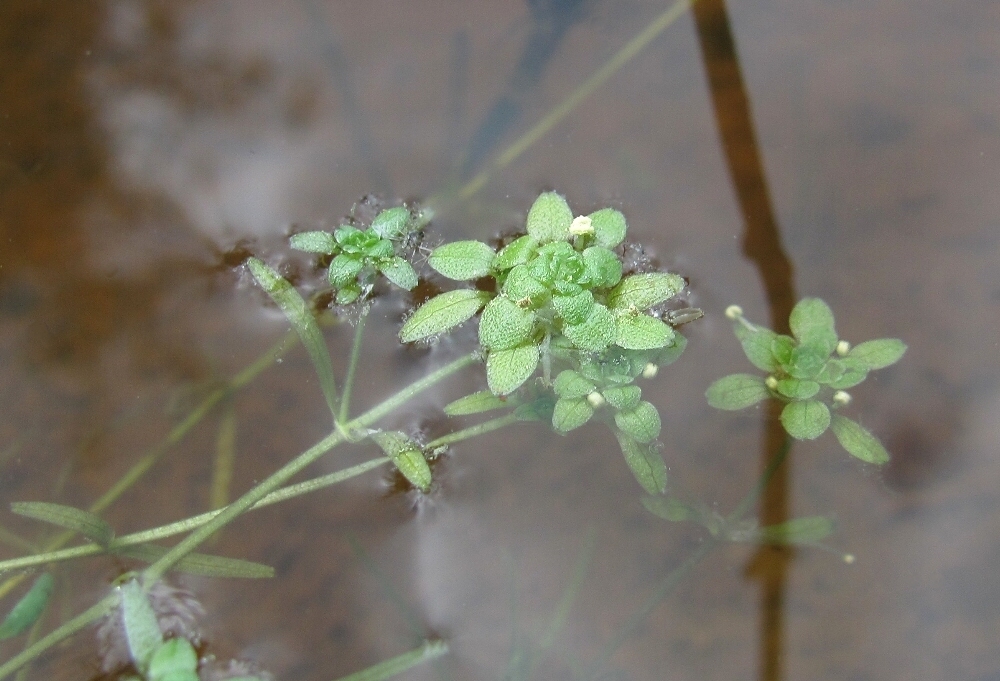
(352, 366)
(622, 57)
(472, 431)
(399, 664)
(248, 500)
(677, 575)
(64, 631)
(276, 479)
(191, 523)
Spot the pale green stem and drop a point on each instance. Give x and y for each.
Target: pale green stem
(622, 57)
(278, 478)
(170, 558)
(399, 664)
(345, 397)
(188, 524)
(472, 431)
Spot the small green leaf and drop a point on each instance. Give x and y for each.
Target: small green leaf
(878, 354)
(643, 291)
(646, 463)
(642, 423)
(344, 270)
(571, 413)
(476, 403)
(806, 362)
(737, 391)
(142, 631)
(604, 268)
(29, 608)
(504, 324)
(302, 320)
(521, 285)
(801, 531)
(549, 218)
(642, 332)
(378, 249)
(443, 312)
(407, 456)
(670, 508)
(669, 354)
(858, 441)
(399, 272)
(202, 564)
(348, 294)
(624, 397)
(392, 223)
(539, 409)
(757, 345)
(84, 522)
(507, 369)
(574, 309)
(797, 389)
(609, 227)
(314, 242)
(570, 384)
(462, 260)
(596, 333)
(782, 348)
(174, 660)
(517, 252)
(805, 420)
(832, 371)
(854, 373)
(812, 324)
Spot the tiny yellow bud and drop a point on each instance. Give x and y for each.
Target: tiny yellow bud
(843, 347)
(595, 399)
(650, 370)
(581, 225)
(771, 382)
(849, 558)
(841, 398)
(734, 312)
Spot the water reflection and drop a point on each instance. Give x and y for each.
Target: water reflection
(148, 147)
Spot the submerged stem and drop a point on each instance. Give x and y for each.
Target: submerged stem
(472, 431)
(345, 397)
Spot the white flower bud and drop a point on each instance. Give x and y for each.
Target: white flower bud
(650, 370)
(843, 347)
(595, 399)
(581, 225)
(734, 312)
(841, 398)
(771, 382)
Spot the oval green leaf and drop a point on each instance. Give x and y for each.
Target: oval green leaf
(570, 384)
(812, 324)
(174, 660)
(624, 397)
(314, 242)
(86, 523)
(462, 260)
(609, 227)
(343, 270)
(757, 343)
(642, 423)
(399, 272)
(504, 324)
(797, 389)
(604, 268)
(392, 223)
(442, 313)
(805, 420)
(549, 218)
(574, 309)
(596, 333)
(878, 354)
(476, 403)
(799, 531)
(858, 441)
(507, 369)
(517, 252)
(646, 463)
(142, 631)
(737, 391)
(571, 413)
(641, 332)
(642, 291)
(29, 608)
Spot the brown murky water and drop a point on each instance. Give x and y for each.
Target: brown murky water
(147, 147)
